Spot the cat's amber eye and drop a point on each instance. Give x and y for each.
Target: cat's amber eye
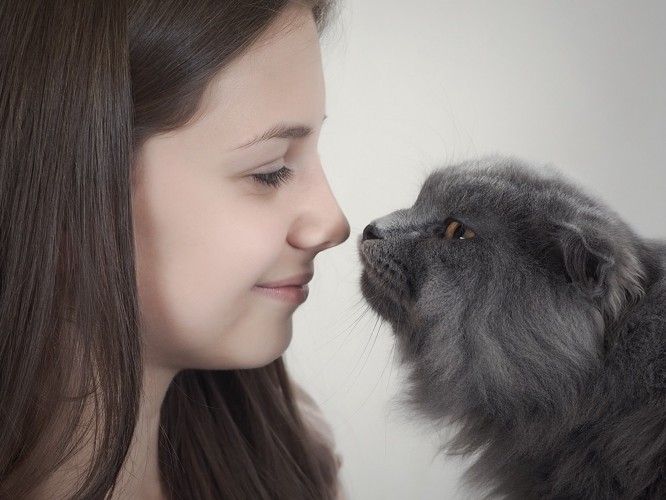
(456, 230)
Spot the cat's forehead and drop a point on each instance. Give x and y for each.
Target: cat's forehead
(500, 178)
(507, 190)
(497, 183)
(463, 186)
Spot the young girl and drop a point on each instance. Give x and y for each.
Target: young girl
(161, 205)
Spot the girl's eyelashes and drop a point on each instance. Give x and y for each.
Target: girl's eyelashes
(274, 179)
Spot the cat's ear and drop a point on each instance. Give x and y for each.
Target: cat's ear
(587, 259)
(604, 264)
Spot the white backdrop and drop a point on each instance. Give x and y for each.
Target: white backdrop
(411, 85)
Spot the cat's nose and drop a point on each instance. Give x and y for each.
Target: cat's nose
(372, 232)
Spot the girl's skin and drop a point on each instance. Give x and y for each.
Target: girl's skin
(223, 256)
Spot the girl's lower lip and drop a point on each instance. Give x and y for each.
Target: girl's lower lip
(291, 294)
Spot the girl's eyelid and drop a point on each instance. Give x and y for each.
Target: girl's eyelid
(268, 167)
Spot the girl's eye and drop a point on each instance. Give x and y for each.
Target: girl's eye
(456, 230)
(274, 179)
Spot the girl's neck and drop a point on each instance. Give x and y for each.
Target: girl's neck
(140, 477)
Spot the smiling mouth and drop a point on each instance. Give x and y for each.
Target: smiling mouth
(293, 294)
(293, 290)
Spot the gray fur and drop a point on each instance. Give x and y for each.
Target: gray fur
(543, 339)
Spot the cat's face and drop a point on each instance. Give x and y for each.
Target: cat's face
(497, 282)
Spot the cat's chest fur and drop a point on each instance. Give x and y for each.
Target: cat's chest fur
(533, 317)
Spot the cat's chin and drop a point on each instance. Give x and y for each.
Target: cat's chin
(382, 299)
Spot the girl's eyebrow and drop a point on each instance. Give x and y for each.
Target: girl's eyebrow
(280, 131)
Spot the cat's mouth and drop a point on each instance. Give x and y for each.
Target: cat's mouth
(384, 282)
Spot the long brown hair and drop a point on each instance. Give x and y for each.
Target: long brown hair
(82, 85)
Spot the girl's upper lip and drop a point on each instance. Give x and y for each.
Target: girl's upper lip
(298, 280)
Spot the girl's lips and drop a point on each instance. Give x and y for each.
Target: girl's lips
(293, 290)
(294, 294)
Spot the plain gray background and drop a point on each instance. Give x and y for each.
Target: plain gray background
(412, 85)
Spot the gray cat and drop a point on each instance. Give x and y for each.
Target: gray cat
(531, 317)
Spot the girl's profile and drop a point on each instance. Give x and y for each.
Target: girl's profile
(161, 206)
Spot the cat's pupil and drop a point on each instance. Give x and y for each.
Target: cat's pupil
(455, 230)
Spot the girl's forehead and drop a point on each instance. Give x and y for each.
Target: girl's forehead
(278, 80)
(277, 83)
(290, 45)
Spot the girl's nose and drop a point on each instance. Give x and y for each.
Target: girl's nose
(321, 223)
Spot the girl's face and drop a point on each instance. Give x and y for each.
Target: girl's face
(231, 209)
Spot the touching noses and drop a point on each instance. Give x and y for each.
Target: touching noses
(321, 223)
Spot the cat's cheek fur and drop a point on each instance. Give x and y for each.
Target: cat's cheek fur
(484, 346)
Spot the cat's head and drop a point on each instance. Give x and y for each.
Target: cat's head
(499, 283)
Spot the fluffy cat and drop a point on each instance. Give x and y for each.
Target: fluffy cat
(534, 320)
